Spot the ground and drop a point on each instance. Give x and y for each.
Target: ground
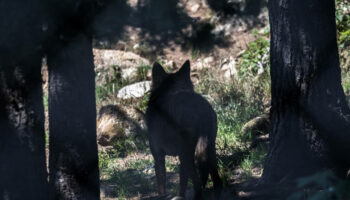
(216, 42)
(208, 39)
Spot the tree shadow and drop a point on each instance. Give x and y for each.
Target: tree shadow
(224, 7)
(164, 23)
(203, 39)
(161, 24)
(238, 11)
(228, 8)
(109, 22)
(134, 183)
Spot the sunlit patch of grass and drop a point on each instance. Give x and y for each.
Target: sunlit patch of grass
(142, 71)
(234, 107)
(172, 164)
(254, 160)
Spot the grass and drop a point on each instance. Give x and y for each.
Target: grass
(235, 103)
(142, 72)
(234, 107)
(46, 109)
(133, 176)
(109, 81)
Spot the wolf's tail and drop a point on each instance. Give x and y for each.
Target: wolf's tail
(202, 157)
(201, 149)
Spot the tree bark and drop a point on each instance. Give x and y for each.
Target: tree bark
(23, 172)
(72, 110)
(22, 135)
(310, 119)
(73, 162)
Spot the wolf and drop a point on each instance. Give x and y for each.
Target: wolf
(181, 123)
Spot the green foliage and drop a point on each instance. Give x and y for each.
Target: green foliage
(235, 103)
(46, 101)
(109, 81)
(343, 31)
(322, 186)
(139, 164)
(255, 59)
(254, 70)
(234, 107)
(343, 22)
(255, 158)
(103, 159)
(130, 182)
(344, 39)
(47, 139)
(145, 50)
(46, 109)
(141, 73)
(142, 103)
(238, 101)
(195, 54)
(124, 147)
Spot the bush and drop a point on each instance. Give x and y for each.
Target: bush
(322, 186)
(343, 23)
(108, 82)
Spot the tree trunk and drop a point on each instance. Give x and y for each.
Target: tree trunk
(72, 113)
(23, 172)
(310, 119)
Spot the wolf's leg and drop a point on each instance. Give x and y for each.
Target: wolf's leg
(183, 176)
(213, 169)
(159, 160)
(188, 168)
(204, 172)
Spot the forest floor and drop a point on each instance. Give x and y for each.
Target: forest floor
(216, 40)
(201, 35)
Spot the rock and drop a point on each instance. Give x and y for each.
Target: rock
(228, 68)
(135, 90)
(123, 59)
(222, 29)
(214, 19)
(116, 122)
(195, 7)
(136, 46)
(171, 64)
(259, 129)
(129, 73)
(209, 59)
(201, 64)
(177, 198)
(127, 62)
(258, 125)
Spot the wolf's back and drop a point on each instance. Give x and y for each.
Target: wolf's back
(187, 110)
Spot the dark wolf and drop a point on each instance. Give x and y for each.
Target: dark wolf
(182, 123)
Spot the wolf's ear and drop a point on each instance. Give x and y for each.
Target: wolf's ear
(158, 72)
(185, 70)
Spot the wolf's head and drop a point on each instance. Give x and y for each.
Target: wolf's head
(171, 82)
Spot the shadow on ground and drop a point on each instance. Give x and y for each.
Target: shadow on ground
(161, 24)
(135, 184)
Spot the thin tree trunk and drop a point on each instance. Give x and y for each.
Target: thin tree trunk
(72, 112)
(310, 126)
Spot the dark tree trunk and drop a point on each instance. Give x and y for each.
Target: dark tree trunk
(310, 119)
(73, 162)
(72, 110)
(23, 172)
(73, 158)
